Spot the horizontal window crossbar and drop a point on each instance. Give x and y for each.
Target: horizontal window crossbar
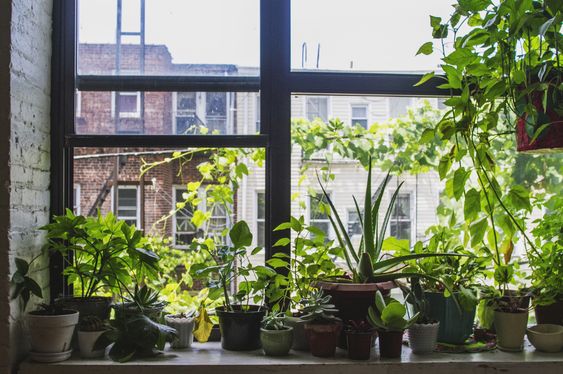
(167, 83)
(338, 83)
(225, 141)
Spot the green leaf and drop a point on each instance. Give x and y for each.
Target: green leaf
(519, 197)
(425, 78)
(240, 235)
(282, 242)
(427, 136)
(472, 204)
(22, 266)
(435, 21)
(543, 28)
(460, 177)
(444, 166)
(426, 49)
(473, 5)
(454, 76)
(477, 231)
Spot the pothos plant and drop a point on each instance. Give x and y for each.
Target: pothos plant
(232, 264)
(508, 56)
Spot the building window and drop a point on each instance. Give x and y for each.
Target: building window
(260, 218)
(128, 104)
(318, 213)
(184, 230)
(128, 205)
(216, 112)
(316, 107)
(401, 219)
(257, 114)
(76, 199)
(354, 225)
(186, 118)
(360, 115)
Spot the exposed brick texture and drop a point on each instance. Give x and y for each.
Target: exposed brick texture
(25, 55)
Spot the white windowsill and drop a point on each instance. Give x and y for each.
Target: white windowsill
(210, 358)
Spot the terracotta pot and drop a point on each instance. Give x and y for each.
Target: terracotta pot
(353, 299)
(300, 341)
(51, 335)
(184, 328)
(390, 343)
(423, 337)
(360, 344)
(546, 338)
(276, 342)
(511, 328)
(240, 329)
(323, 338)
(550, 314)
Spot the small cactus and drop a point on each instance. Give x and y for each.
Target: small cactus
(91, 323)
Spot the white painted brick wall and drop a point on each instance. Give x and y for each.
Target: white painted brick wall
(25, 77)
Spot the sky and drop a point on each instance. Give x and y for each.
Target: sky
(370, 35)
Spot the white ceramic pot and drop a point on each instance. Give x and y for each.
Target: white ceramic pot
(86, 341)
(423, 337)
(184, 327)
(546, 337)
(510, 328)
(51, 335)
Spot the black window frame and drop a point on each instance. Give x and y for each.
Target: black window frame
(276, 83)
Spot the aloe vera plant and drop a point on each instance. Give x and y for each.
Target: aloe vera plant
(367, 264)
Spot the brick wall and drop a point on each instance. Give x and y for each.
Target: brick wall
(25, 55)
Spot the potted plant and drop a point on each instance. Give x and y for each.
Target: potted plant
(183, 321)
(51, 327)
(275, 336)
(359, 339)
(143, 300)
(239, 320)
(423, 334)
(511, 321)
(134, 336)
(312, 260)
(453, 306)
(495, 77)
(322, 327)
(100, 253)
(547, 265)
(388, 318)
(370, 269)
(90, 329)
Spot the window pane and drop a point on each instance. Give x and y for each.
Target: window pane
(360, 35)
(167, 113)
(317, 107)
(211, 37)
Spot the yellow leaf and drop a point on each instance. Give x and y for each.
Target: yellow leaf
(203, 325)
(507, 249)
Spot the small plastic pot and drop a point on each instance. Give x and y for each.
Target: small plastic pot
(511, 328)
(240, 329)
(550, 314)
(184, 328)
(390, 343)
(323, 338)
(359, 344)
(423, 337)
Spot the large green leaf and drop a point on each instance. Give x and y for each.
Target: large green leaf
(472, 204)
(240, 235)
(477, 231)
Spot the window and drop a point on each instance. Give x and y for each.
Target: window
(76, 199)
(184, 230)
(202, 113)
(257, 114)
(318, 209)
(400, 225)
(316, 107)
(219, 220)
(128, 205)
(216, 104)
(354, 225)
(126, 104)
(185, 114)
(359, 115)
(260, 218)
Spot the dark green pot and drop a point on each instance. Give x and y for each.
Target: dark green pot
(455, 325)
(240, 329)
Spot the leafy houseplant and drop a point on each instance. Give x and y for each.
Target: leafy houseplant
(322, 327)
(239, 319)
(368, 265)
(183, 321)
(143, 300)
(90, 329)
(423, 335)
(388, 317)
(359, 339)
(134, 335)
(275, 336)
(547, 269)
(102, 255)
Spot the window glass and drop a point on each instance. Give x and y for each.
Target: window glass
(127, 204)
(184, 229)
(318, 212)
(354, 225)
(360, 115)
(260, 218)
(179, 37)
(317, 107)
(400, 225)
(167, 113)
(360, 35)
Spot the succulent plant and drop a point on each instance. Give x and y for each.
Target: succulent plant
(358, 326)
(274, 321)
(317, 308)
(92, 323)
